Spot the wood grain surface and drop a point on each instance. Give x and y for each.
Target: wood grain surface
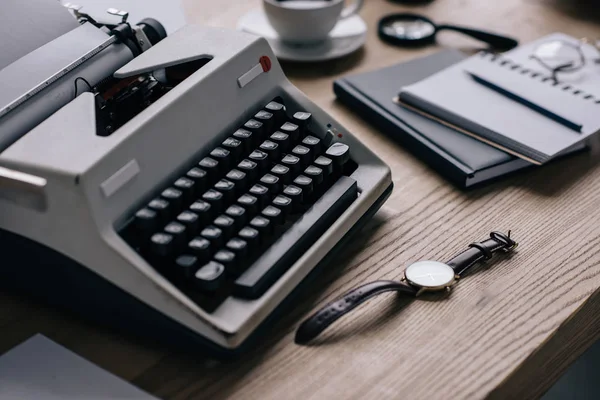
(508, 331)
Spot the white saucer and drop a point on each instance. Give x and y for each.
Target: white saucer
(348, 36)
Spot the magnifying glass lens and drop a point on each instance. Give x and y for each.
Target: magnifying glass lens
(408, 29)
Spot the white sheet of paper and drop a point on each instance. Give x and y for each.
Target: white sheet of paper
(27, 25)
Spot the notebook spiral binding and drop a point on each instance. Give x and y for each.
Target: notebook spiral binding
(497, 58)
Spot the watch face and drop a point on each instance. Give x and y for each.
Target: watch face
(430, 274)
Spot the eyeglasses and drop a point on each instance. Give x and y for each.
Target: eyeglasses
(562, 57)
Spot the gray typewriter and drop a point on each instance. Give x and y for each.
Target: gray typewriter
(176, 186)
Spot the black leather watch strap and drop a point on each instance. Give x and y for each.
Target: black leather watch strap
(479, 251)
(320, 320)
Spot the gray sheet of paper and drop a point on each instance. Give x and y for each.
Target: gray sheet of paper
(40, 369)
(170, 13)
(26, 25)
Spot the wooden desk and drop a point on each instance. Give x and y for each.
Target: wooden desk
(506, 332)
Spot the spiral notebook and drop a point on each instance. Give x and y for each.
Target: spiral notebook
(515, 109)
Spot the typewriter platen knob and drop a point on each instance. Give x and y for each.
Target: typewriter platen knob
(153, 29)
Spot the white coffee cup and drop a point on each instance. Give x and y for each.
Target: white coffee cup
(306, 21)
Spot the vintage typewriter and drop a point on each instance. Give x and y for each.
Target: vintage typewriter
(178, 186)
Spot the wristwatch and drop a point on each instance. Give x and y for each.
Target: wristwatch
(420, 277)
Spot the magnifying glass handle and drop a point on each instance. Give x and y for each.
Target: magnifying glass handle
(496, 41)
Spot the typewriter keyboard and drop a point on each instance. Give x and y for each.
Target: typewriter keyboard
(236, 220)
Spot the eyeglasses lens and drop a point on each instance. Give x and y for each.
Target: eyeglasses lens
(557, 54)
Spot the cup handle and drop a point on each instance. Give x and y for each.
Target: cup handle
(352, 9)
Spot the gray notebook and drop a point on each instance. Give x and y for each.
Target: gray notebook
(40, 369)
(517, 110)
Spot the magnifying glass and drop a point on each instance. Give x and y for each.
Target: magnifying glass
(407, 29)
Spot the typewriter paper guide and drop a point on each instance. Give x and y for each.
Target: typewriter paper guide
(168, 12)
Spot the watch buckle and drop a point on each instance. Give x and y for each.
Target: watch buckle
(500, 237)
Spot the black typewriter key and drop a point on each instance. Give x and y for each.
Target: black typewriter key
(200, 247)
(273, 214)
(244, 136)
(251, 236)
(238, 246)
(266, 118)
(200, 178)
(179, 233)
(210, 277)
(284, 204)
(215, 199)
(291, 129)
(186, 266)
(212, 168)
(295, 194)
(228, 189)
(249, 203)
(304, 154)
(234, 146)
(262, 225)
(190, 220)
(271, 148)
(203, 210)
(146, 222)
(222, 156)
(161, 244)
(260, 158)
(239, 179)
(187, 187)
(226, 224)
(282, 139)
(278, 111)
(306, 184)
(271, 182)
(174, 197)
(313, 143)
(339, 153)
(214, 235)
(227, 258)
(314, 173)
(283, 173)
(302, 119)
(162, 208)
(257, 129)
(238, 213)
(250, 168)
(325, 164)
(292, 162)
(261, 193)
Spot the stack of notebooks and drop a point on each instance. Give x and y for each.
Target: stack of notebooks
(475, 118)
